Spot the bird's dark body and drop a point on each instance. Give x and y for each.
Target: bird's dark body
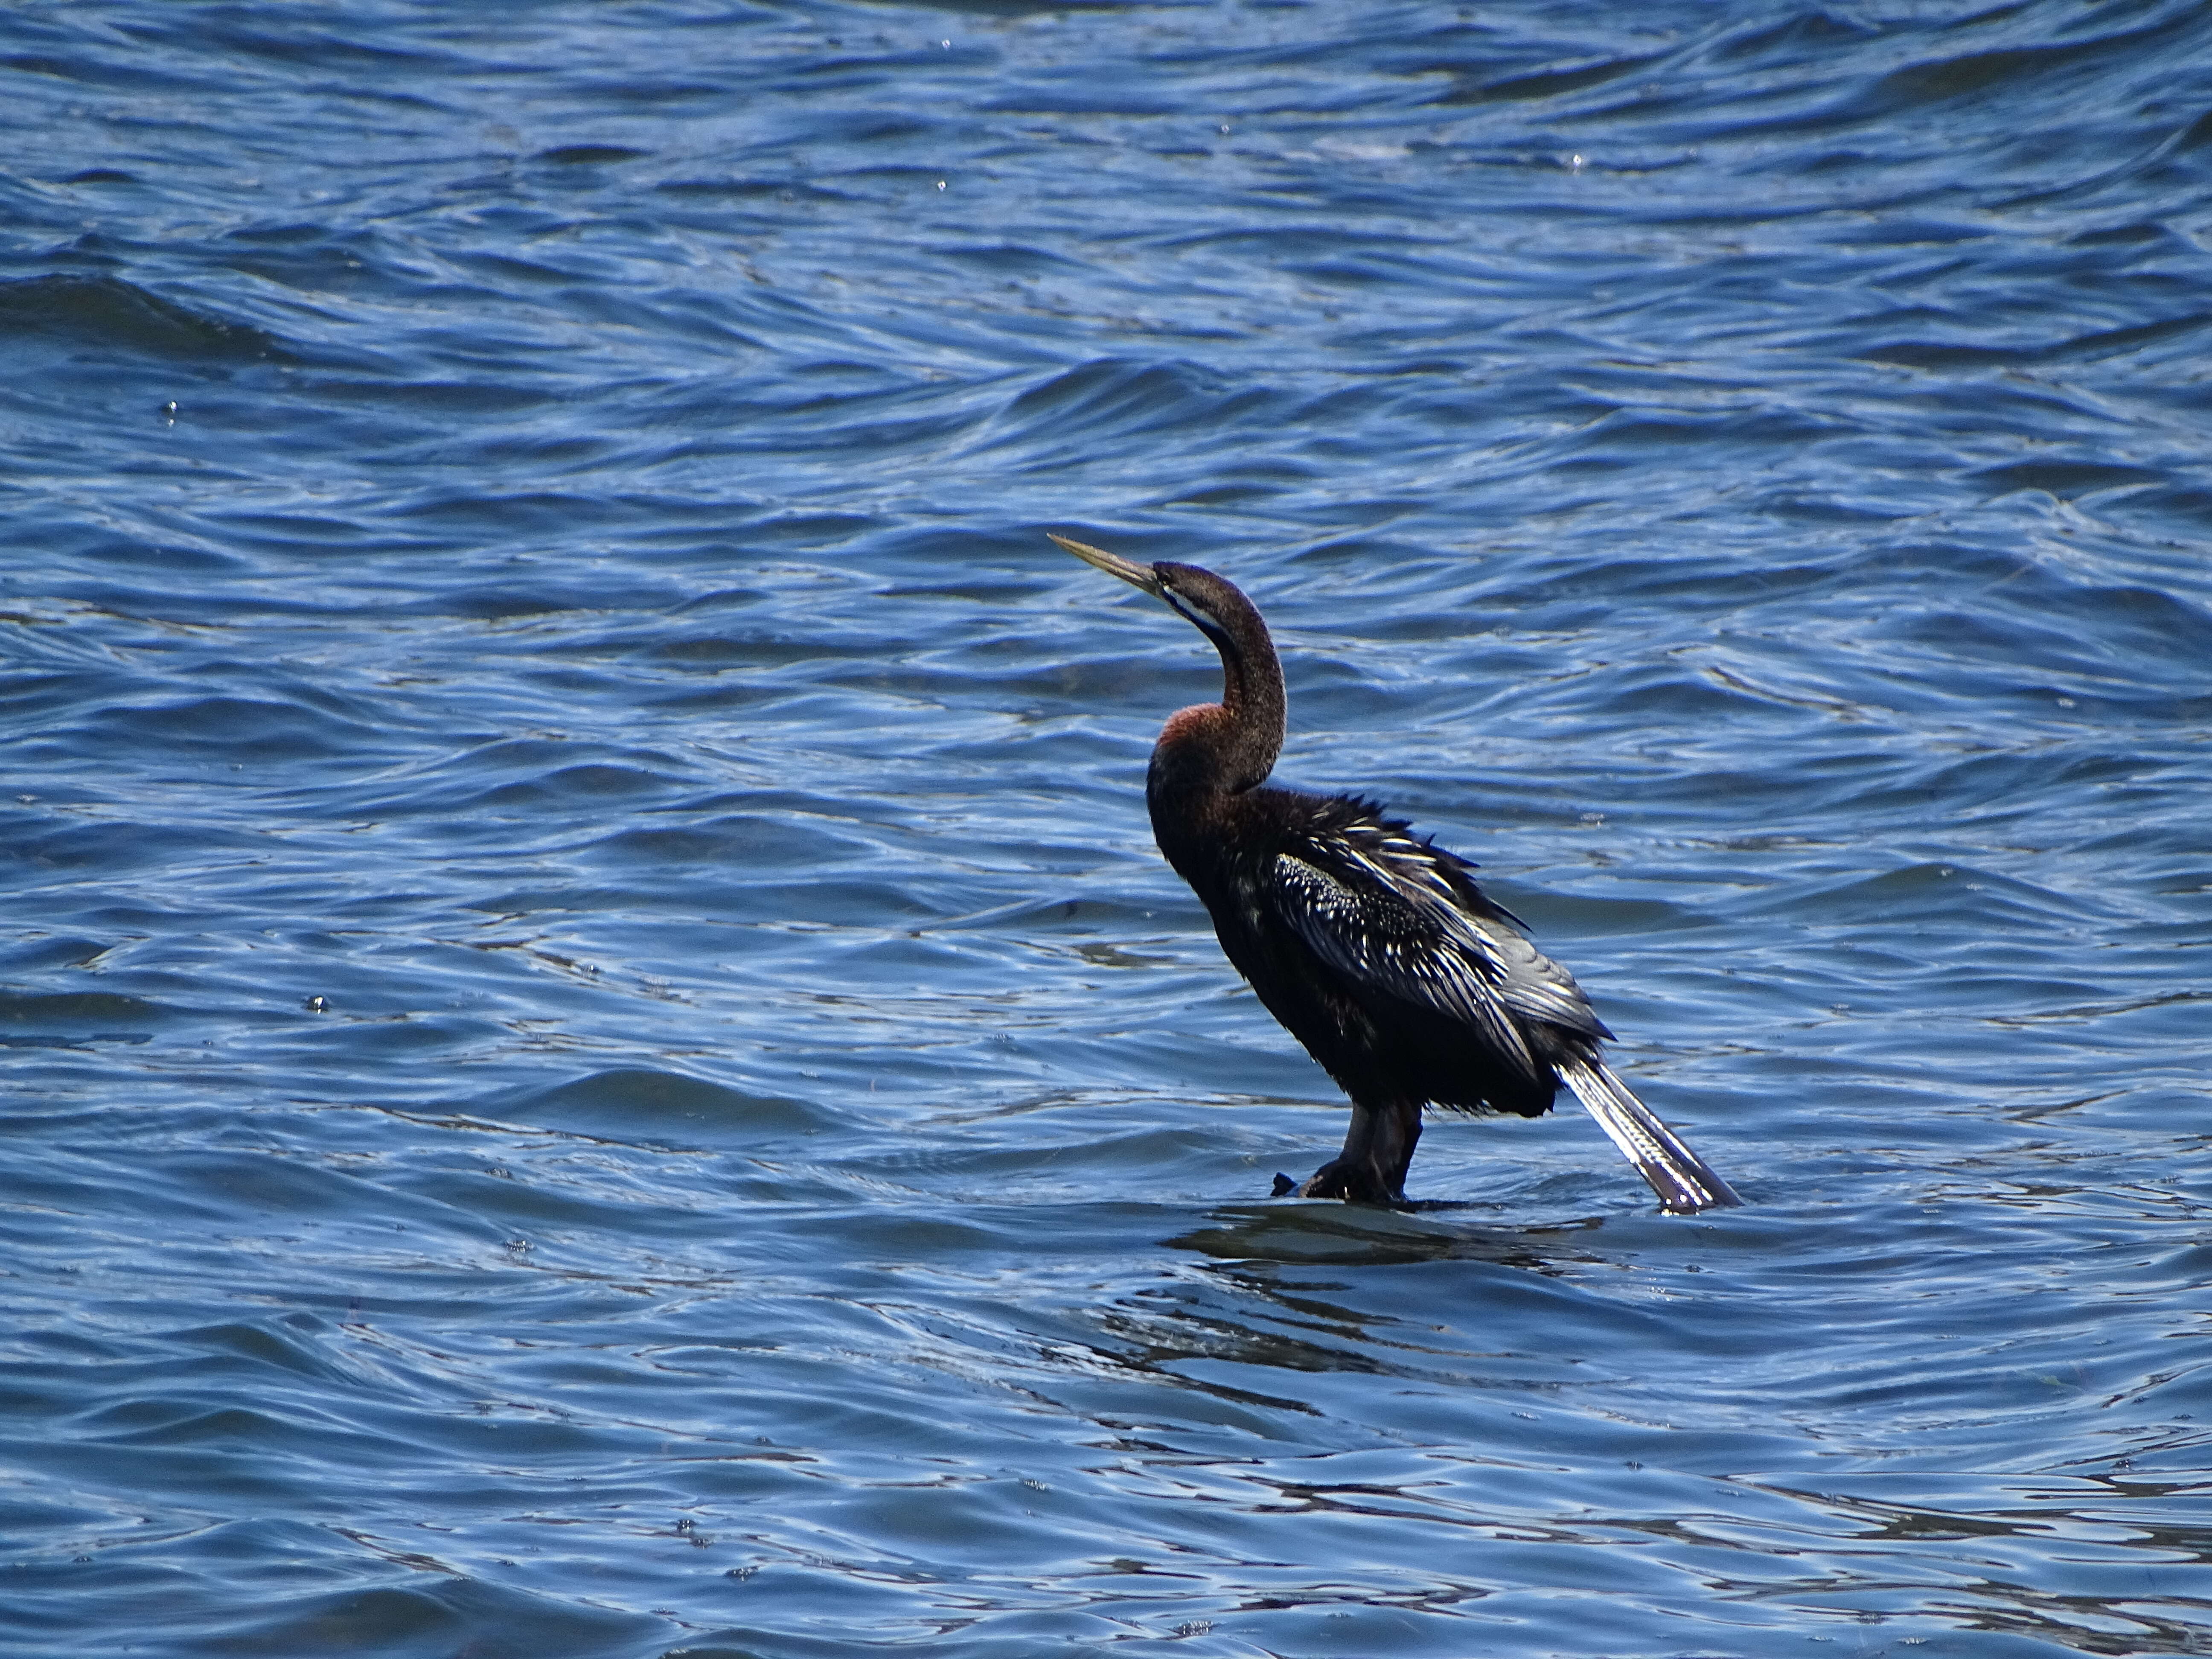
(1376, 949)
(1378, 1045)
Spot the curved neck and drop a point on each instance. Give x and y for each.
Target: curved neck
(1252, 693)
(1230, 746)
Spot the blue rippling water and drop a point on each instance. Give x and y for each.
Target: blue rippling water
(599, 1060)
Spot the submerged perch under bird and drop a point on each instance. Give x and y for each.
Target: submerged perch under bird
(1375, 949)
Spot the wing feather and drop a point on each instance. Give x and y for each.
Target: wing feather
(1384, 944)
(1402, 919)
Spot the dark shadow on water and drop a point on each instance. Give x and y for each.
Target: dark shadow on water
(1323, 1232)
(1271, 1297)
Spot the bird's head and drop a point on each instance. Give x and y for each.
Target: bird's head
(1228, 745)
(1213, 604)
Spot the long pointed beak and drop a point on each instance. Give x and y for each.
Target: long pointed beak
(1137, 576)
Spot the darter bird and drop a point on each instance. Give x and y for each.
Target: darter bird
(1372, 945)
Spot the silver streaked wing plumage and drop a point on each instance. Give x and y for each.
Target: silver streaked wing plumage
(1380, 908)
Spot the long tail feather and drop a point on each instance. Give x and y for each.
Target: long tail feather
(1686, 1183)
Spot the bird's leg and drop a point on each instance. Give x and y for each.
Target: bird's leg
(1378, 1149)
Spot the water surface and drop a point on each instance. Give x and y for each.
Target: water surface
(526, 527)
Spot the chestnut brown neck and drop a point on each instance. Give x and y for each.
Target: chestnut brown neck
(1230, 746)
